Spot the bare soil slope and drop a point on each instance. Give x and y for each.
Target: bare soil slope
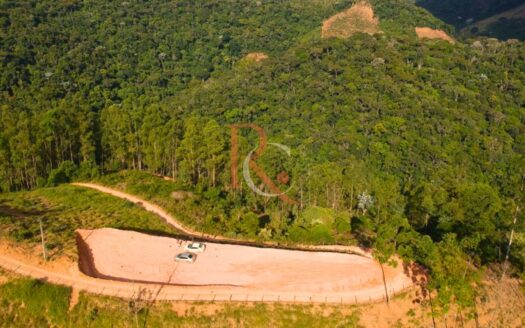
(429, 33)
(358, 18)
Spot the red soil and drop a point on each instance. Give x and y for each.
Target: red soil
(428, 33)
(358, 18)
(256, 56)
(131, 256)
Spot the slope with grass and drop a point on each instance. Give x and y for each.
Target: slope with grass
(39, 304)
(36, 303)
(64, 209)
(397, 278)
(208, 215)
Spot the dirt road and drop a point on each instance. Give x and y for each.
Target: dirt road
(356, 279)
(130, 290)
(171, 220)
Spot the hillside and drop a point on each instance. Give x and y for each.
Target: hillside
(494, 18)
(62, 64)
(433, 131)
(459, 12)
(509, 24)
(404, 138)
(98, 49)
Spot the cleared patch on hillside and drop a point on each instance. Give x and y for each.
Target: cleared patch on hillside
(429, 33)
(359, 18)
(137, 257)
(256, 56)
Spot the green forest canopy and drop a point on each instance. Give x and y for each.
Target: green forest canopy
(417, 145)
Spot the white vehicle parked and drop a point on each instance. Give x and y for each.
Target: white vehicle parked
(195, 247)
(186, 257)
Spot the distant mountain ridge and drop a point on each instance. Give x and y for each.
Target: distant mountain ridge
(459, 12)
(502, 19)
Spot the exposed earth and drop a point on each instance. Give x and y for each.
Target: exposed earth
(129, 261)
(131, 256)
(256, 56)
(359, 18)
(429, 33)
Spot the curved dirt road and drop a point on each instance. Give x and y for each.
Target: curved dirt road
(171, 220)
(159, 292)
(399, 282)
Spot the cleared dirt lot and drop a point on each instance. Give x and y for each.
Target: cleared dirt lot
(135, 257)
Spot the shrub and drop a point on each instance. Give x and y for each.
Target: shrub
(62, 174)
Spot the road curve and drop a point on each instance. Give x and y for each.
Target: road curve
(129, 290)
(171, 220)
(159, 292)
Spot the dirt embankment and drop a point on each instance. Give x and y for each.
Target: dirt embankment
(85, 256)
(429, 33)
(359, 18)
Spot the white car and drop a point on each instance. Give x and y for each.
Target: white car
(195, 247)
(186, 257)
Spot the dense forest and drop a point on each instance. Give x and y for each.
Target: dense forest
(64, 66)
(415, 147)
(62, 63)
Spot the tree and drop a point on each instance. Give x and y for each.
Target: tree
(115, 127)
(385, 244)
(214, 150)
(192, 150)
(153, 137)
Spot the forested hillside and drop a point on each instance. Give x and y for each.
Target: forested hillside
(61, 63)
(435, 134)
(405, 145)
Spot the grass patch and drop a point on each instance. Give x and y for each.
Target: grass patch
(64, 209)
(30, 303)
(218, 213)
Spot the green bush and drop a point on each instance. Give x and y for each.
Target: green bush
(86, 171)
(62, 174)
(318, 234)
(249, 224)
(342, 225)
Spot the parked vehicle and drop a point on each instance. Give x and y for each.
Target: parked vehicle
(195, 247)
(186, 257)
